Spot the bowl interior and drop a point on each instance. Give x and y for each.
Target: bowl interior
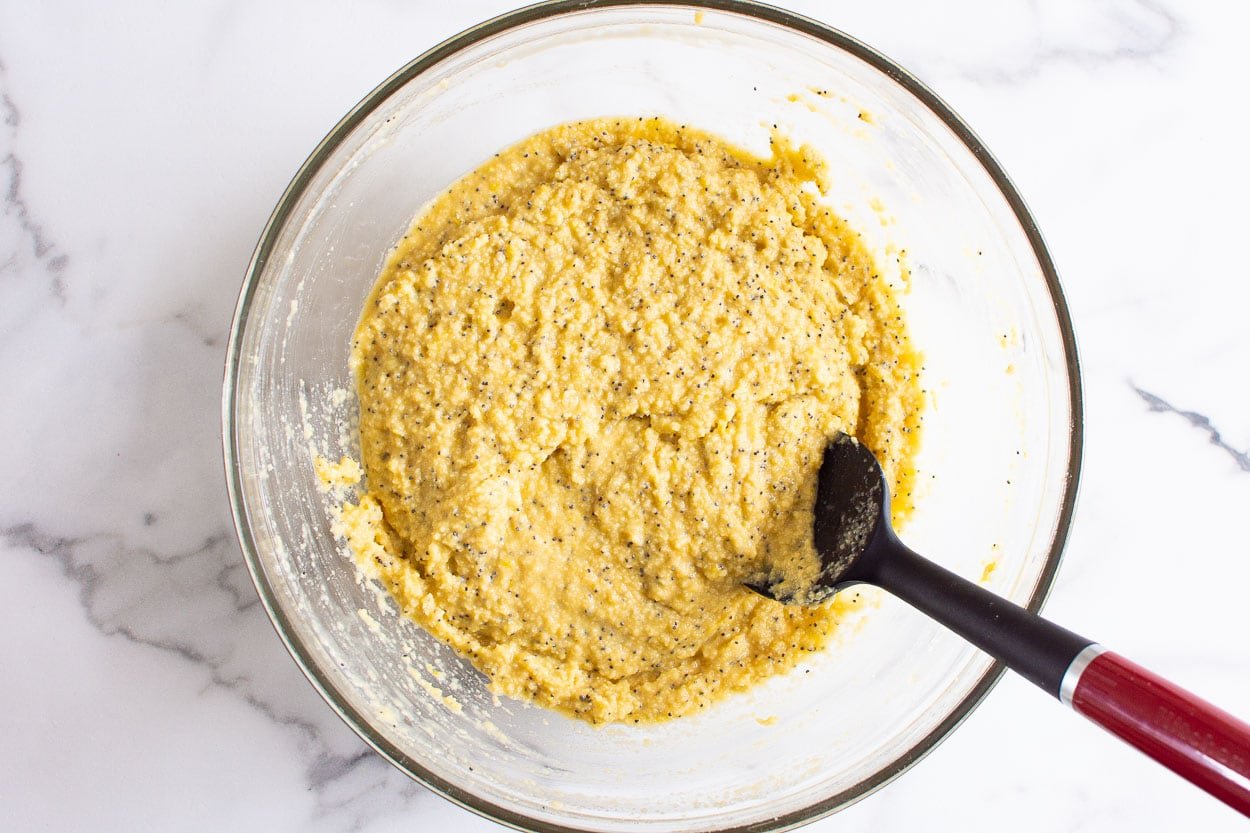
(996, 450)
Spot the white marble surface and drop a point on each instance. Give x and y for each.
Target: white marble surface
(142, 146)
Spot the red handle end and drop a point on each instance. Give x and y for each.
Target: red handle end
(1191, 737)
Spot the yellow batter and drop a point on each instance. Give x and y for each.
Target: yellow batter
(595, 380)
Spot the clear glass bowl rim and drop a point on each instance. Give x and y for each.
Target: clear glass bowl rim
(555, 8)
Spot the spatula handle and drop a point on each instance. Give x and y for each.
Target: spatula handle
(1188, 735)
(1199, 742)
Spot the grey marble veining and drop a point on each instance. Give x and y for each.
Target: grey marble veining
(199, 606)
(141, 150)
(26, 246)
(1200, 422)
(1133, 32)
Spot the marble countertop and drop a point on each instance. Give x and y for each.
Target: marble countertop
(142, 147)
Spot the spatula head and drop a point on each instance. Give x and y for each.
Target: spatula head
(851, 502)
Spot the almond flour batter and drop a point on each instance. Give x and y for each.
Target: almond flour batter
(595, 380)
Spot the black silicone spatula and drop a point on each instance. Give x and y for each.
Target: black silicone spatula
(856, 545)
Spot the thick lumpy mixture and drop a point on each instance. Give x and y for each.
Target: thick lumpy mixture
(595, 380)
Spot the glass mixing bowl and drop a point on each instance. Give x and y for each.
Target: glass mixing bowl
(1001, 441)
